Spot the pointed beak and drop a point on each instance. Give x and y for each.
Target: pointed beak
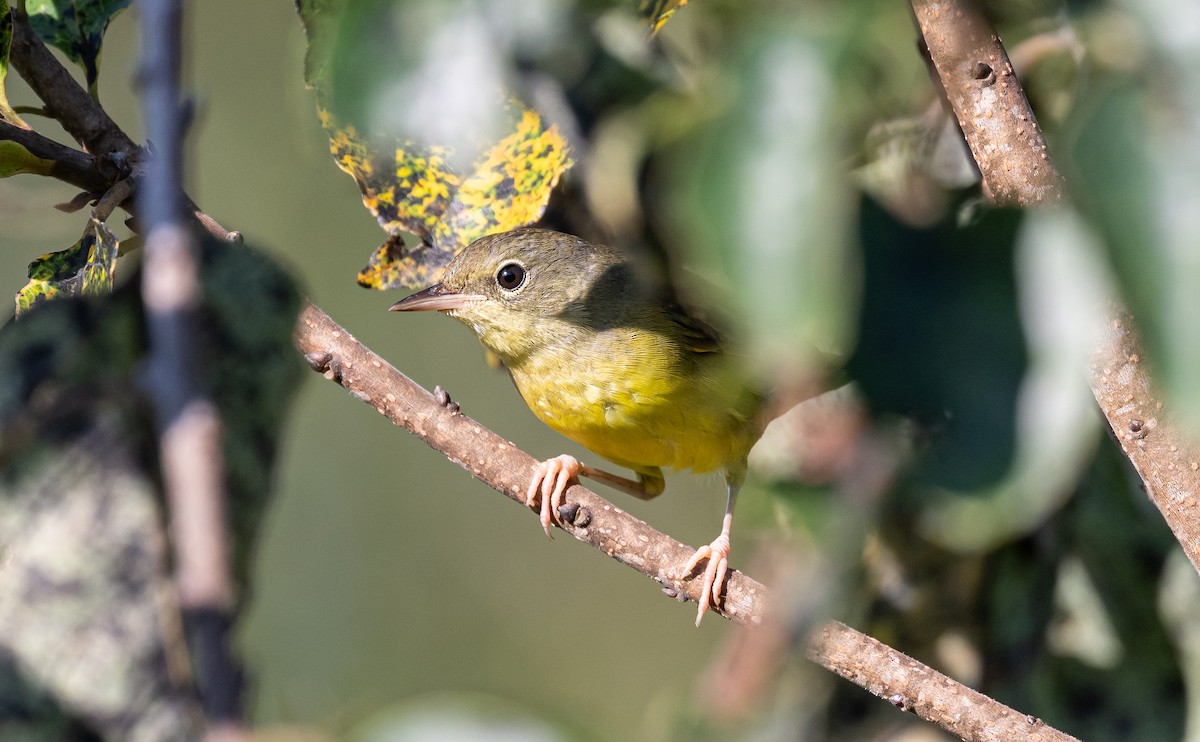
(436, 298)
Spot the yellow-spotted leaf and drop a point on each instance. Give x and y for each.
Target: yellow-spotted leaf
(87, 267)
(396, 264)
(658, 12)
(509, 187)
(101, 264)
(415, 189)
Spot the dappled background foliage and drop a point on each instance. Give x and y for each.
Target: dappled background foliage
(794, 168)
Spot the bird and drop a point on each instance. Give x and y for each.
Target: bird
(601, 352)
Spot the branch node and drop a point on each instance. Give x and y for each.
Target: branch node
(318, 360)
(442, 397)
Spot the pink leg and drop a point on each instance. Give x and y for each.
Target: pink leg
(717, 554)
(550, 481)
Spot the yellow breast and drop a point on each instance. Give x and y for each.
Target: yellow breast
(640, 400)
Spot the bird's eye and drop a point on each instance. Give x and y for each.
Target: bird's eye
(510, 276)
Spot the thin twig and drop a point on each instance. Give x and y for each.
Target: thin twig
(70, 165)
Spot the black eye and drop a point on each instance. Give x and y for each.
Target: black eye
(510, 276)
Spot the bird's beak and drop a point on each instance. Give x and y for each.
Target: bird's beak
(436, 298)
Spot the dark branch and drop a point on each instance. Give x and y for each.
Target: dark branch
(70, 165)
(79, 113)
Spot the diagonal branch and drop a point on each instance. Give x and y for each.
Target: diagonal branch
(79, 113)
(989, 103)
(911, 686)
(331, 350)
(1004, 137)
(433, 418)
(1167, 462)
(70, 165)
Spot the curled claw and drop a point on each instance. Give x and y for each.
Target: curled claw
(717, 554)
(549, 485)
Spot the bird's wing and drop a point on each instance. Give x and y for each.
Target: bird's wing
(697, 336)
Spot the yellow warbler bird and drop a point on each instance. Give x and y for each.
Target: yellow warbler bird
(603, 354)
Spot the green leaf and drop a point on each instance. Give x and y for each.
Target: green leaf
(6, 35)
(940, 339)
(15, 159)
(768, 210)
(85, 268)
(76, 27)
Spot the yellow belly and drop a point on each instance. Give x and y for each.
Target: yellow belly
(648, 406)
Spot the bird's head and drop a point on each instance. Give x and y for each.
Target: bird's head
(528, 288)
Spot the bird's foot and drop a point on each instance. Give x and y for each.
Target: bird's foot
(549, 485)
(717, 554)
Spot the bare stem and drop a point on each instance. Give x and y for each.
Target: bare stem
(1003, 136)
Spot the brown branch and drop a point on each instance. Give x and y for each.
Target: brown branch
(78, 112)
(989, 103)
(911, 686)
(331, 350)
(70, 165)
(433, 418)
(1167, 462)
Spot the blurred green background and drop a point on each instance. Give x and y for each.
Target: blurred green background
(1016, 552)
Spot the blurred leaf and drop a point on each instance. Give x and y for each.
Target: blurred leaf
(76, 27)
(85, 268)
(101, 264)
(1132, 172)
(658, 12)
(940, 339)
(6, 111)
(1061, 280)
(1116, 535)
(15, 159)
(768, 204)
(320, 18)
(424, 182)
(69, 364)
(84, 575)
